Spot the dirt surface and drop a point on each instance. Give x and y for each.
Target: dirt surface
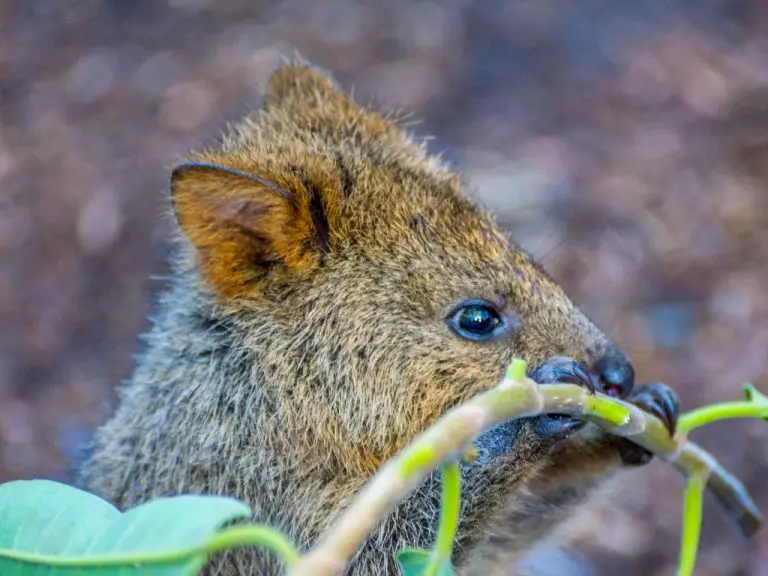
(625, 143)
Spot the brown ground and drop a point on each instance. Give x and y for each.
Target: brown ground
(624, 141)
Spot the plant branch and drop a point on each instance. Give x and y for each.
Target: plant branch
(692, 512)
(238, 535)
(515, 397)
(450, 504)
(255, 535)
(755, 406)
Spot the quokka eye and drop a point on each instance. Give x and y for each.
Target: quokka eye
(477, 320)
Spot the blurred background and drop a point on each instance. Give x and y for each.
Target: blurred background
(624, 142)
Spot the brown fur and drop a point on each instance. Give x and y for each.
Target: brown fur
(303, 341)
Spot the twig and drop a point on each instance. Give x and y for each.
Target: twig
(515, 397)
(692, 512)
(449, 516)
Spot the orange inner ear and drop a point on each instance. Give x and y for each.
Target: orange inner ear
(243, 226)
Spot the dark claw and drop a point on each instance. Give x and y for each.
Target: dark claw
(661, 401)
(632, 454)
(560, 369)
(565, 370)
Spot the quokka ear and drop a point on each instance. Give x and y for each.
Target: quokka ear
(303, 87)
(245, 226)
(311, 99)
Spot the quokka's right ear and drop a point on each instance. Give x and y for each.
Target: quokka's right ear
(310, 98)
(301, 87)
(245, 225)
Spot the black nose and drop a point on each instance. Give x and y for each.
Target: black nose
(615, 374)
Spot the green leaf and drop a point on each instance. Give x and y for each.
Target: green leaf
(413, 562)
(48, 528)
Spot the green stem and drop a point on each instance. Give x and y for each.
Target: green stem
(692, 512)
(244, 535)
(516, 370)
(606, 409)
(450, 503)
(255, 535)
(708, 414)
(421, 455)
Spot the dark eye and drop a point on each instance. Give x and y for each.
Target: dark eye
(476, 320)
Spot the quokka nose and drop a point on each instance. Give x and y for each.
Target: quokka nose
(614, 374)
